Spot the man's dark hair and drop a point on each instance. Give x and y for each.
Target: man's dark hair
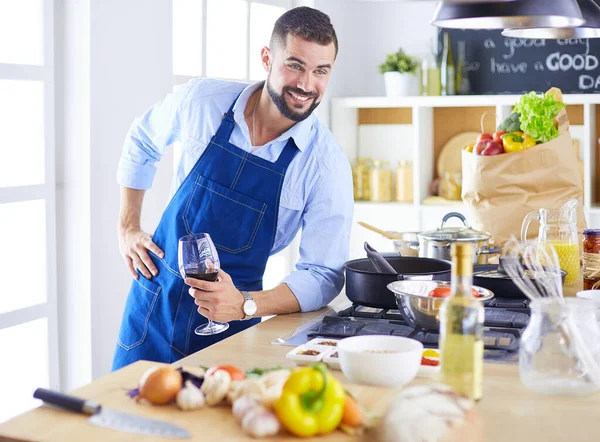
(307, 23)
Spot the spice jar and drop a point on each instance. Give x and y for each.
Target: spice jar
(404, 181)
(381, 181)
(451, 186)
(361, 177)
(591, 259)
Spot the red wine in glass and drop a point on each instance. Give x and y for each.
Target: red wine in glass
(198, 259)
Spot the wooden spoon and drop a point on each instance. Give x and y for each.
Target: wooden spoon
(381, 232)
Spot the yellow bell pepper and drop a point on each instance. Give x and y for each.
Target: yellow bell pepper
(469, 148)
(311, 403)
(517, 141)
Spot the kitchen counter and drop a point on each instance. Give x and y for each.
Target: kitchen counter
(509, 411)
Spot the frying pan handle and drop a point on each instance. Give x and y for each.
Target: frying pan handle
(400, 277)
(460, 216)
(489, 250)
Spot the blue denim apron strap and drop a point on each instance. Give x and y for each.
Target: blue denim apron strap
(234, 196)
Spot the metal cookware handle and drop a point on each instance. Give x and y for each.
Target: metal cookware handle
(460, 216)
(488, 250)
(526, 221)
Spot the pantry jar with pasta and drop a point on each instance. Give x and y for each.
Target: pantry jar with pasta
(381, 181)
(361, 179)
(404, 181)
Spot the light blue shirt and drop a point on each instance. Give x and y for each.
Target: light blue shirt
(317, 190)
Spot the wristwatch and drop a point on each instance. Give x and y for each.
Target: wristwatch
(249, 306)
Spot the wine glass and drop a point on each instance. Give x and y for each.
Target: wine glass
(198, 258)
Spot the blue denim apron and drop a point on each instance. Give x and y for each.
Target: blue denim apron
(234, 196)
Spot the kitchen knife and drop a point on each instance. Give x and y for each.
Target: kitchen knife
(115, 420)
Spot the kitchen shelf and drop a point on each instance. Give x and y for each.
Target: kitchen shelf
(418, 127)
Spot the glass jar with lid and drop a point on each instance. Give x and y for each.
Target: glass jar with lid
(451, 186)
(591, 259)
(361, 178)
(381, 181)
(404, 181)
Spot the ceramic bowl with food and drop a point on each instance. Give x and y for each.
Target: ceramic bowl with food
(419, 302)
(388, 361)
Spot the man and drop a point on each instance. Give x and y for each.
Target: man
(257, 165)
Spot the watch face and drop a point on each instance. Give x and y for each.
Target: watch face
(249, 307)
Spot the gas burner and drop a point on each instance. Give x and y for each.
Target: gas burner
(505, 320)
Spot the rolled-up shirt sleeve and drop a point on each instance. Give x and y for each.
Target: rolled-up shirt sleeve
(148, 138)
(324, 243)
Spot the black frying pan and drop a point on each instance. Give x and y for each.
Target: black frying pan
(366, 286)
(501, 287)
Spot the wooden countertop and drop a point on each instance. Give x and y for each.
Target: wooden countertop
(509, 411)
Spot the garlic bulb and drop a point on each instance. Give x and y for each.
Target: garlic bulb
(429, 412)
(215, 386)
(243, 405)
(248, 387)
(190, 397)
(260, 422)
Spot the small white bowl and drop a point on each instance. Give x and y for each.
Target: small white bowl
(301, 359)
(319, 341)
(592, 295)
(331, 360)
(388, 361)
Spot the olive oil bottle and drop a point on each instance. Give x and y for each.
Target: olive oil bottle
(461, 328)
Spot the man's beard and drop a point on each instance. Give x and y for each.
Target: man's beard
(286, 111)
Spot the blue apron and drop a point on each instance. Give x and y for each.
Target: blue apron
(234, 196)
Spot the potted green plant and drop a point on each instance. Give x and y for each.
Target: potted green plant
(400, 74)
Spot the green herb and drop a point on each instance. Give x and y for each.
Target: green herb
(399, 62)
(261, 371)
(537, 116)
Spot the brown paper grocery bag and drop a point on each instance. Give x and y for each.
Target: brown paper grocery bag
(499, 190)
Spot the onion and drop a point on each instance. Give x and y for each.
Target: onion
(160, 385)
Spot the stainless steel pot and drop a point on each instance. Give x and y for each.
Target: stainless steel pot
(436, 243)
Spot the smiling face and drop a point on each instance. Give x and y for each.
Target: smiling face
(298, 75)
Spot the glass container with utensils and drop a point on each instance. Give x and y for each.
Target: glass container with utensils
(559, 351)
(558, 230)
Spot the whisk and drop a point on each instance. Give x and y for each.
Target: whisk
(522, 261)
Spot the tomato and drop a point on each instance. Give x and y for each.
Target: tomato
(498, 137)
(484, 136)
(236, 373)
(444, 292)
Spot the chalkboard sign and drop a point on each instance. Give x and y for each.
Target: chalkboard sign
(501, 65)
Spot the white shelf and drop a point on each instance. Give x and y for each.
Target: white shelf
(418, 216)
(451, 101)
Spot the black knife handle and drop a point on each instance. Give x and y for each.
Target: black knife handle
(67, 402)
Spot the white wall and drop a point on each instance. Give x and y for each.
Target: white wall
(367, 31)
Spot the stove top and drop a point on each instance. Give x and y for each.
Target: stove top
(505, 320)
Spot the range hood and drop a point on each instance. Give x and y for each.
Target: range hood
(591, 29)
(505, 15)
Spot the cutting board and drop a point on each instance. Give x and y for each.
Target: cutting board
(212, 424)
(450, 158)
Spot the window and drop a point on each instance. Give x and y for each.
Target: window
(222, 38)
(28, 318)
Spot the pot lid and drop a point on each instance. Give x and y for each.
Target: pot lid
(465, 233)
